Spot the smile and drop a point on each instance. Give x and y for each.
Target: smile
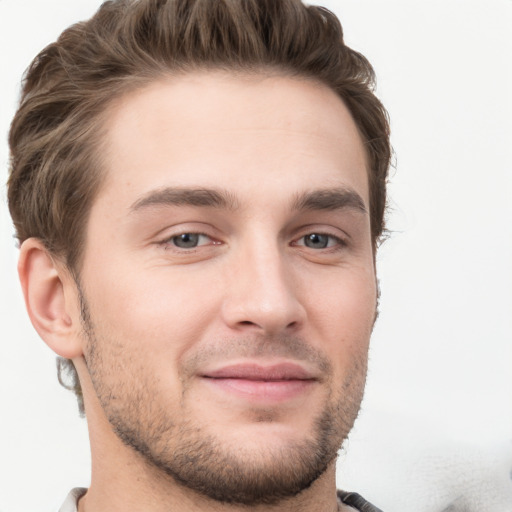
(254, 382)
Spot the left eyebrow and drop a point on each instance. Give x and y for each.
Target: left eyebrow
(329, 199)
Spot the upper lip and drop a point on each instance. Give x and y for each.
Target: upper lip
(262, 372)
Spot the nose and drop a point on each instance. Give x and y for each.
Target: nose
(261, 294)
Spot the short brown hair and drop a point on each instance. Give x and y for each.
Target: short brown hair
(55, 136)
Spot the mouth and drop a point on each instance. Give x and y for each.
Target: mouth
(264, 383)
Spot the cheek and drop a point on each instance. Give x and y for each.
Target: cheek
(165, 309)
(145, 321)
(343, 314)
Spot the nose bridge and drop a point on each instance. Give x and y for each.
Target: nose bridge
(261, 293)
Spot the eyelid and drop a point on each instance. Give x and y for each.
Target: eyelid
(340, 242)
(322, 228)
(164, 237)
(168, 240)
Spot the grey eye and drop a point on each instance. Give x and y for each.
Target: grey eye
(316, 241)
(186, 240)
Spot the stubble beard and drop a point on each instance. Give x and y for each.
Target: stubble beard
(199, 461)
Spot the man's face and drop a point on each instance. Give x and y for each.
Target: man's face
(228, 281)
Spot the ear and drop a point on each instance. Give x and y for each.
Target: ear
(51, 299)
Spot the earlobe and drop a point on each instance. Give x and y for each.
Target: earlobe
(51, 306)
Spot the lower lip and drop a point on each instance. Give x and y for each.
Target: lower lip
(260, 390)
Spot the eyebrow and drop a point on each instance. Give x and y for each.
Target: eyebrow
(171, 196)
(329, 199)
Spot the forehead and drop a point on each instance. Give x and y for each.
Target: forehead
(246, 132)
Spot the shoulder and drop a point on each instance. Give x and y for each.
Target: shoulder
(70, 504)
(357, 501)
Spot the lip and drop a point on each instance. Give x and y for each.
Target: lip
(258, 372)
(261, 383)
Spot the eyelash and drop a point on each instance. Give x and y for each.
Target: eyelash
(170, 241)
(339, 243)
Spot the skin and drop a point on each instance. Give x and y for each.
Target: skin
(161, 319)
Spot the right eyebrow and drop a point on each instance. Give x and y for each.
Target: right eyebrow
(330, 199)
(172, 196)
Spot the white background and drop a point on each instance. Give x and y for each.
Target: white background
(436, 426)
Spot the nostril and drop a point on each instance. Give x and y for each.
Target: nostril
(264, 325)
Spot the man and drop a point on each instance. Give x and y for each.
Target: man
(198, 189)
